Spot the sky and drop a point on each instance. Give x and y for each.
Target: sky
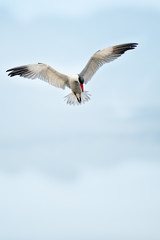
(90, 171)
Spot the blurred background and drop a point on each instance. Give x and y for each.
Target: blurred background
(87, 172)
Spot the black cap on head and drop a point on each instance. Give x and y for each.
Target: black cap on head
(81, 79)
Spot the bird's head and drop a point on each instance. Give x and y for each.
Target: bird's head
(81, 81)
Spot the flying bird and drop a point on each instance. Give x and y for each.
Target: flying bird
(75, 82)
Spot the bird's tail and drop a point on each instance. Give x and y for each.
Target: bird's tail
(71, 98)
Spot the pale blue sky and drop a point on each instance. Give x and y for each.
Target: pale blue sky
(88, 172)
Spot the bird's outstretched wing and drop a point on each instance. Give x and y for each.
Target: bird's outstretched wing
(103, 56)
(41, 71)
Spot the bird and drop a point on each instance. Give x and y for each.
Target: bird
(75, 82)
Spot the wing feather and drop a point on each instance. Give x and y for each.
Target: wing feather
(103, 56)
(41, 71)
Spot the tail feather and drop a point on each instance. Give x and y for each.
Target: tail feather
(71, 99)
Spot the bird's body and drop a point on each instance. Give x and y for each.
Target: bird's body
(75, 82)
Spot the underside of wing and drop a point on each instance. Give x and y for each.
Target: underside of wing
(41, 71)
(104, 56)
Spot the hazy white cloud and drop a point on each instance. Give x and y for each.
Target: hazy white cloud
(125, 198)
(30, 9)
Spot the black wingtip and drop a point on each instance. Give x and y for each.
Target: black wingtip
(122, 48)
(20, 71)
(10, 72)
(133, 45)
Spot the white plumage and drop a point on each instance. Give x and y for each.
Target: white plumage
(75, 83)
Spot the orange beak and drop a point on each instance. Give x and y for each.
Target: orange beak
(81, 86)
